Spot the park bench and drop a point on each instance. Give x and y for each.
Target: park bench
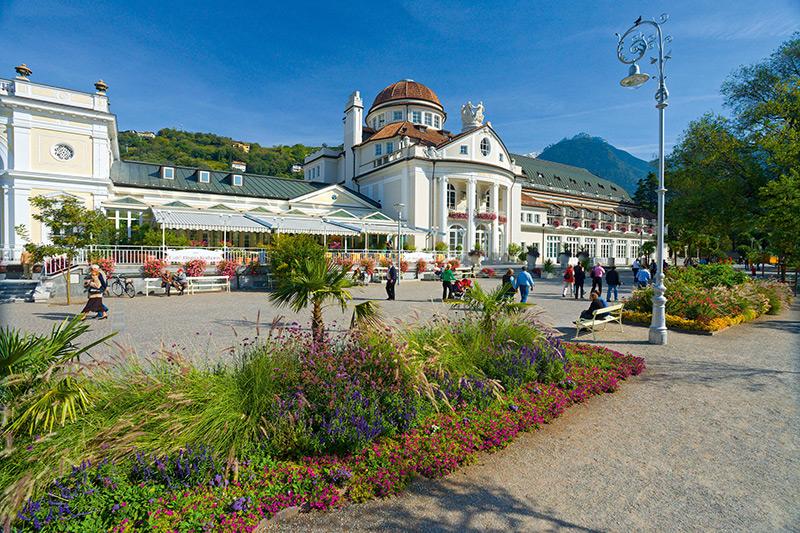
(613, 312)
(151, 284)
(208, 283)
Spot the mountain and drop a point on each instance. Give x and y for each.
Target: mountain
(214, 152)
(600, 158)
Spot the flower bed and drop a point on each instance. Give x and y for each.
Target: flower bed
(192, 490)
(710, 298)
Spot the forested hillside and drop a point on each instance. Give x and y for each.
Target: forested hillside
(214, 152)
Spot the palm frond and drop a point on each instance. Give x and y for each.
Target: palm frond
(366, 315)
(56, 401)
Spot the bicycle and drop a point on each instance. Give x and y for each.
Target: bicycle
(122, 285)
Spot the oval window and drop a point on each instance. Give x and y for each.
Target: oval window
(485, 146)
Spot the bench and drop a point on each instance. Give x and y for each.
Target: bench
(150, 284)
(208, 283)
(614, 313)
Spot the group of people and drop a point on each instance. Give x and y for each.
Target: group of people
(171, 281)
(575, 280)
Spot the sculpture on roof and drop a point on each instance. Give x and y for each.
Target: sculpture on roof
(471, 116)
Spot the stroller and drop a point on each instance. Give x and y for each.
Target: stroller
(460, 288)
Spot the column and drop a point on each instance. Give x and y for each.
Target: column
(130, 222)
(509, 233)
(470, 242)
(21, 214)
(7, 225)
(496, 223)
(443, 211)
(116, 219)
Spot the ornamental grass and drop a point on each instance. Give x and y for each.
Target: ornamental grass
(168, 446)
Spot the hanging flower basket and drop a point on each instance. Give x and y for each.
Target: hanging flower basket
(458, 215)
(650, 231)
(575, 224)
(486, 216)
(623, 228)
(556, 223)
(609, 227)
(592, 226)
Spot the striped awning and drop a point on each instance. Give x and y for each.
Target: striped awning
(199, 220)
(312, 225)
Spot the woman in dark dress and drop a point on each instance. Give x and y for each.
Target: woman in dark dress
(580, 278)
(95, 302)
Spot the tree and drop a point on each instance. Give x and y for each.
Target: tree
(781, 206)
(648, 248)
(491, 305)
(646, 195)
(285, 251)
(314, 281)
(72, 227)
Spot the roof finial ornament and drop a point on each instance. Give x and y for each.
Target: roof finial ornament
(471, 116)
(101, 86)
(23, 71)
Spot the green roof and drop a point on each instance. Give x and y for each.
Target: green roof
(177, 203)
(148, 176)
(127, 200)
(546, 175)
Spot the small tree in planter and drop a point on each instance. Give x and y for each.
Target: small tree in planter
(531, 256)
(476, 255)
(368, 265)
(403, 266)
(440, 246)
(514, 250)
(549, 269)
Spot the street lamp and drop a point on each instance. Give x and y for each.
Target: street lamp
(399, 208)
(629, 52)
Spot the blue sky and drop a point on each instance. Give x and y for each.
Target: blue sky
(280, 73)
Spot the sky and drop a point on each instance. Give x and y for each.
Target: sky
(281, 72)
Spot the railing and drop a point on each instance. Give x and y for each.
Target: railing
(5, 87)
(137, 255)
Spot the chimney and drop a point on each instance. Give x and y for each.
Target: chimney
(353, 129)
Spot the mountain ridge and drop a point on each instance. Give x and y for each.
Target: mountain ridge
(599, 157)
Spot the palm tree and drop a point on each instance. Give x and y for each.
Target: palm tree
(313, 280)
(491, 305)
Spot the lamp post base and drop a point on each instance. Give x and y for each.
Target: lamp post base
(657, 335)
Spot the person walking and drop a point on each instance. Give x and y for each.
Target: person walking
(26, 260)
(391, 280)
(613, 281)
(103, 284)
(580, 279)
(643, 278)
(597, 278)
(94, 304)
(448, 277)
(635, 266)
(508, 283)
(569, 281)
(653, 266)
(524, 284)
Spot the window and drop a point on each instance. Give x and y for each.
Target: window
(487, 200)
(553, 246)
(416, 117)
(530, 218)
(451, 196)
(389, 147)
(203, 176)
(378, 149)
(537, 219)
(591, 247)
(622, 249)
(381, 120)
(168, 173)
(374, 123)
(606, 248)
(634, 251)
(428, 119)
(485, 146)
(63, 152)
(237, 180)
(522, 217)
(456, 237)
(574, 244)
(437, 123)
(501, 158)
(397, 116)
(464, 149)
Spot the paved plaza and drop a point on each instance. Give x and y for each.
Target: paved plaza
(706, 438)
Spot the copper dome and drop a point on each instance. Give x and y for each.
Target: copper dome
(406, 90)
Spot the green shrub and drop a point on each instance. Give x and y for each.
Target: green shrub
(286, 250)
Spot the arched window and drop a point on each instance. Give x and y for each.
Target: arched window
(456, 236)
(486, 147)
(451, 196)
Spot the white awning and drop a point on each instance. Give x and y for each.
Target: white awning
(312, 225)
(199, 220)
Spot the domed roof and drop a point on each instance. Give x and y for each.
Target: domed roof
(406, 90)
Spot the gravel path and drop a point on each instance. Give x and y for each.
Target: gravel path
(707, 438)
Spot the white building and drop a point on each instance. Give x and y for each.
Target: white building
(463, 189)
(466, 189)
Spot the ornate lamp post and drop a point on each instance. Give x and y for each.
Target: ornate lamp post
(632, 46)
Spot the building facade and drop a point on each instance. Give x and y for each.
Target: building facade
(467, 190)
(398, 168)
